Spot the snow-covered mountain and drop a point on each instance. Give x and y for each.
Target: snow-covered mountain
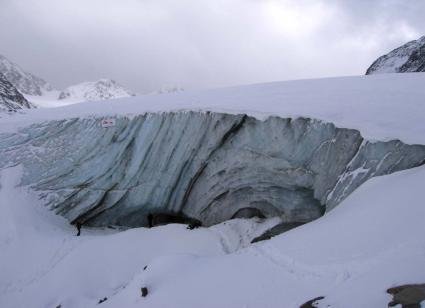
(25, 82)
(10, 98)
(408, 58)
(41, 93)
(95, 91)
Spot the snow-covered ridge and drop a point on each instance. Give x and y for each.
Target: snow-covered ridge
(408, 58)
(10, 98)
(25, 82)
(102, 89)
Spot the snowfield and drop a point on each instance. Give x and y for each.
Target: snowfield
(370, 242)
(382, 107)
(43, 263)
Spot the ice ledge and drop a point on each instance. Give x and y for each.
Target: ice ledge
(382, 107)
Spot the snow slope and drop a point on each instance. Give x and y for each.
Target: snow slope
(382, 107)
(372, 241)
(42, 263)
(102, 89)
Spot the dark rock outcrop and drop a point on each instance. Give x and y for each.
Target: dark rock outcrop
(10, 98)
(312, 303)
(408, 296)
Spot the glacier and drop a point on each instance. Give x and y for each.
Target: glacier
(206, 165)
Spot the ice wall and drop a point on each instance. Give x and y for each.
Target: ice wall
(205, 165)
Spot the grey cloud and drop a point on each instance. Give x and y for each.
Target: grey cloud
(199, 44)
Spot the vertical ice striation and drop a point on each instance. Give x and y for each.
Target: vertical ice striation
(203, 164)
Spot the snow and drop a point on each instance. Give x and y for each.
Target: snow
(80, 93)
(25, 82)
(381, 107)
(101, 89)
(371, 242)
(49, 100)
(43, 263)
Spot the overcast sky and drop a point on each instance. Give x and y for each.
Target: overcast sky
(145, 44)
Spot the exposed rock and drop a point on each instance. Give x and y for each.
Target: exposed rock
(204, 165)
(408, 296)
(10, 98)
(408, 58)
(312, 303)
(276, 230)
(194, 224)
(25, 82)
(95, 91)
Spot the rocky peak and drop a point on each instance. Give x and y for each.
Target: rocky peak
(25, 82)
(10, 98)
(408, 58)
